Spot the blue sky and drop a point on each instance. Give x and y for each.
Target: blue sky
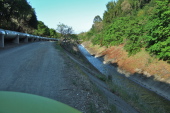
(78, 14)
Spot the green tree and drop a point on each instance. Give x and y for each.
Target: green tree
(42, 30)
(53, 33)
(64, 30)
(97, 19)
(136, 24)
(110, 13)
(17, 15)
(159, 35)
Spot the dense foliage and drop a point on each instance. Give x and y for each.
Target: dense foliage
(136, 24)
(43, 30)
(17, 15)
(64, 30)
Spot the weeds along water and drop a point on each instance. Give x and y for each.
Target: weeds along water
(140, 98)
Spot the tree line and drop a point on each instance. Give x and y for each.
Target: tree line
(136, 24)
(18, 15)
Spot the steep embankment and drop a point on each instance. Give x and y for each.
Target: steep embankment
(141, 63)
(141, 68)
(138, 97)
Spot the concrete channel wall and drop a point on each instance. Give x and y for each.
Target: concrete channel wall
(17, 37)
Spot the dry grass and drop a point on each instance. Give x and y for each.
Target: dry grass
(141, 63)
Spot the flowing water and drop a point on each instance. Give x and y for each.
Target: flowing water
(160, 88)
(106, 69)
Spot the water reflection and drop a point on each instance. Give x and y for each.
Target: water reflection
(106, 69)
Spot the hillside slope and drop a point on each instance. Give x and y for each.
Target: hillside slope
(135, 24)
(141, 63)
(134, 34)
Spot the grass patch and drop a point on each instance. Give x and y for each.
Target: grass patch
(140, 98)
(101, 77)
(114, 109)
(57, 46)
(92, 108)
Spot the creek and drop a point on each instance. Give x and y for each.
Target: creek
(106, 69)
(160, 88)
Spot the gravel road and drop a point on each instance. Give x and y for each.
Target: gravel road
(41, 69)
(34, 68)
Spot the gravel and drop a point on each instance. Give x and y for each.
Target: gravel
(41, 69)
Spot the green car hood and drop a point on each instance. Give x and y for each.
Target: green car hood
(15, 102)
